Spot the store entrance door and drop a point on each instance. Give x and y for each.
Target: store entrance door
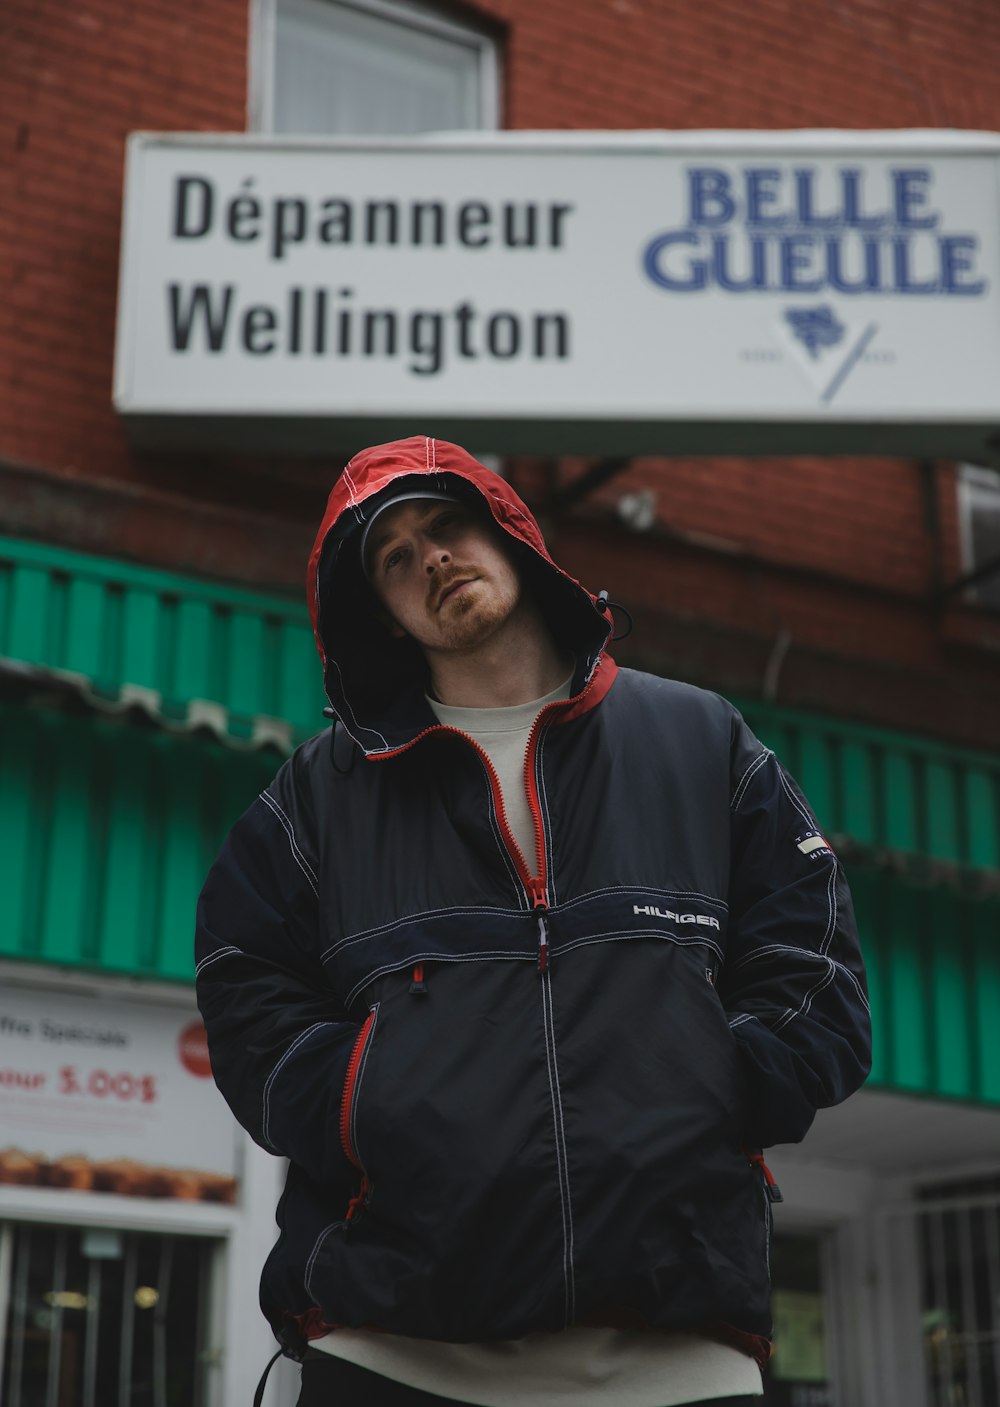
(799, 1373)
(102, 1318)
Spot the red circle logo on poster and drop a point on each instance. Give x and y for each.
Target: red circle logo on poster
(192, 1047)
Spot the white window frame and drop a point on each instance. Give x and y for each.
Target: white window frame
(406, 13)
(975, 482)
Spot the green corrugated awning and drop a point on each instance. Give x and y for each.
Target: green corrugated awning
(933, 960)
(106, 834)
(188, 653)
(893, 800)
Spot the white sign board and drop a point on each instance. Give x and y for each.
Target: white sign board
(110, 1095)
(705, 291)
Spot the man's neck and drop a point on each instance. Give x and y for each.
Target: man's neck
(517, 664)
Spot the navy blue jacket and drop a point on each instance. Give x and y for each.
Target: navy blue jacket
(519, 1093)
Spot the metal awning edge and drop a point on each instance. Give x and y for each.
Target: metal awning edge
(134, 704)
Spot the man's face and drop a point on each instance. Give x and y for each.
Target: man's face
(442, 573)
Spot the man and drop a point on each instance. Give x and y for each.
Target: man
(520, 965)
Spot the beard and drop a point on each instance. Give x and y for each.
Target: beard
(477, 613)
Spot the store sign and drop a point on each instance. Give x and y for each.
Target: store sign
(112, 1096)
(690, 291)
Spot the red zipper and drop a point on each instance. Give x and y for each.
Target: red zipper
(770, 1186)
(350, 1081)
(535, 886)
(359, 1199)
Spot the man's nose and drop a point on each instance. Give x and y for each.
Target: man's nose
(435, 556)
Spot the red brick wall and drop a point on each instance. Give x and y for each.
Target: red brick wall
(840, 555)
(76, 80)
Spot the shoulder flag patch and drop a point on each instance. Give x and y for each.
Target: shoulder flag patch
(812, 842)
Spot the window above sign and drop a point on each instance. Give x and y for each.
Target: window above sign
(979, 516)
(369, 67)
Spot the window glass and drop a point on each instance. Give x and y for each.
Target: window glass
(798, 1374)
(340, 68)
(979, 499)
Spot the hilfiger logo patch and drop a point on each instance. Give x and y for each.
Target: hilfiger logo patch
(812, 843)
(649, 911)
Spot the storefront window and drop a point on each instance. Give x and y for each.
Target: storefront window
(979, 518)
(799, 1372)
(102, 1318)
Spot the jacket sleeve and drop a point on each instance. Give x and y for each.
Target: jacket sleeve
(793, 985)
(279, 1040)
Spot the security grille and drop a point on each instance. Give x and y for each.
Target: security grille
(102, 1318)
(959, 1256)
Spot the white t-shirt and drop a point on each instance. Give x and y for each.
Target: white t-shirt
(582, 1366)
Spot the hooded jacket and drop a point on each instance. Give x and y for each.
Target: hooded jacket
(522, 1092)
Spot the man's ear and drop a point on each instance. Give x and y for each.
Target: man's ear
(386, 621)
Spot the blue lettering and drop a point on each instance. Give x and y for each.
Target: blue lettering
(902, 250)
(956, 259)
(710, 203)
(796, 254)
(804, 179)
(761, 193)
(869, 282)
(909, 193)
(755, 280)
(851, 179)
(696, 267)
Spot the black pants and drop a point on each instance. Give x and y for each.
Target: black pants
(333, 1382)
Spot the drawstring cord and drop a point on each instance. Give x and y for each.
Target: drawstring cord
(258, 1396)
(608, 608)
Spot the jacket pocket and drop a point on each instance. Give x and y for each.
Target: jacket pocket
(352, 1085)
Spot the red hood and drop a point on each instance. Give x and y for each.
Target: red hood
(375, 684)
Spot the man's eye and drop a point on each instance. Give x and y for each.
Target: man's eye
(392, 559)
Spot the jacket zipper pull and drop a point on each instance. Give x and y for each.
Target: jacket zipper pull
(770, 1186)
(418, 986)
(543, 944)
(359, 1201)
(541, 908)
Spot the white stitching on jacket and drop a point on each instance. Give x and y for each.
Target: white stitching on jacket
(521, 956)
(266, 1100)
(644, 889)
(307, 1275)
(360, 727)
(508, 913)
(772, 948)
(299, 858)
(415, 918)
(809, 820)
(806, 1003)
(620, 935)
(219, 953)
(745, 780)
(562, 1165)
(432, 957)
(351, 487)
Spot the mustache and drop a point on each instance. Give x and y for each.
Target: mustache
(442, 581)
